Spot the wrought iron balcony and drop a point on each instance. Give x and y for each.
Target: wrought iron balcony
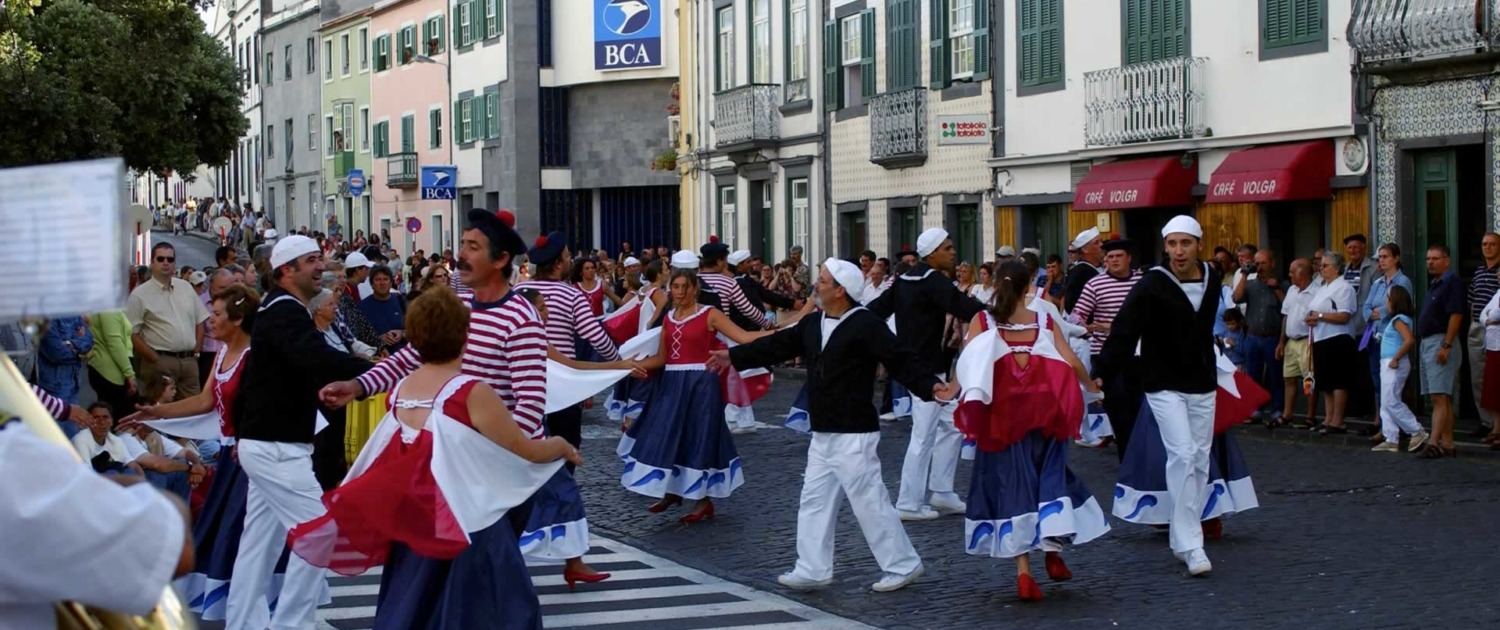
(1405, 30)
(747, 117)
(1155, 100)
(401, 170)
(898, 128)
(343, 162)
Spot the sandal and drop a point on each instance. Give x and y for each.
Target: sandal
(1432, 451)
(1329, 429)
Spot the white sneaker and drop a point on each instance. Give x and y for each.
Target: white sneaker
(1196, 561)
(798, 583)
(1417, 441)
(892, 581)
(1386, 447)
(888, 416)
(948, 503)
(924, 514)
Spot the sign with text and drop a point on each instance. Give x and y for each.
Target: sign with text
(964, 129)
(627, 34)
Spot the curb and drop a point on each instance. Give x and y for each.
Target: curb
(1466, 448)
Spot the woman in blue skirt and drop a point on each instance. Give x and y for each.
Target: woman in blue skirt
(1021, 402)
(680, 447)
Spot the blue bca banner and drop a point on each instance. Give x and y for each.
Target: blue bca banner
(627, 34)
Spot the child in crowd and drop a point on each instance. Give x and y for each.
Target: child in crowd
(1396, 344)
(1233, 338)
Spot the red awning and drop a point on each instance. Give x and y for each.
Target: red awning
(1145, 183)
(1280, 172)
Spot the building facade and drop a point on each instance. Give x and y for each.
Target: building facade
(906, 86)
(408, 107)
(1428, 80)
(345, 147)
(237, 26)
(291, 106)
(1122, 113)
(753, 134)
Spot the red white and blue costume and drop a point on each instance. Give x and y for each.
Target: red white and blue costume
(628, 398)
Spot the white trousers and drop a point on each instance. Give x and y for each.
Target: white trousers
(1475, 341)
(739, 417)
(1395, 416)
(283, 493)
(1187, 432)
(840, 465)
(931, 456)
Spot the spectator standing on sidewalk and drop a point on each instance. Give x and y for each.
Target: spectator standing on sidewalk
(1295, 350)
(1396, 344)
(1377, 315)
(165, 317)
(1437, 325)
(110, 371)
(1360, 271)
(1481, 289)
(64, 347)
(1490, 400)
(1261, 294)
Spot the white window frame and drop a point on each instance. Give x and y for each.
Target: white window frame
(465, 24)
(801, 210)
(725, 18)
(329, 128)
(961, 38)
(466, 120)
(312, 133)
(728, 197)
(760, 38)
(364, 126)
(327, 59)
(364, 49)
(797, 51)
(435, 132)
(492, 19)
(849, 34)
(348, 63)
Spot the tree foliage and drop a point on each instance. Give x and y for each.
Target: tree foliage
(138, 79)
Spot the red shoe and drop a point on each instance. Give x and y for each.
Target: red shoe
(1027, 589)
(1056, 568)
(588, 404)
(587, 578)
(665, 502)
(700, 514)
(1213, 529)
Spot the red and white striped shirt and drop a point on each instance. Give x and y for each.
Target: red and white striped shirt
(730, 296)
(507, 349)
(569, 313)
(55, 406)
(1100, 302)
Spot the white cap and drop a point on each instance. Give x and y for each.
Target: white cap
(848, 276)
(1032, 250)
(1183, 224)
(1005, 250)
(270, 233)
(739, 256)
(196, 278)
(684, 259)
(291, 248)
(356, 260)
(631, 261)
(1085, 237)
(930, 240)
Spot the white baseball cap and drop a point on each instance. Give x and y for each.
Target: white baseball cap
(356, 260)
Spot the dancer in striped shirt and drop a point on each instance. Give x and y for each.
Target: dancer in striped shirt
(507, 349)
(1096, 309)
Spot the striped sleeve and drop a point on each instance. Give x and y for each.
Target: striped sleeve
(526, 350)
(384, 376)
(590, 329)
(54, 405)
(731, 290)
(1084, 308)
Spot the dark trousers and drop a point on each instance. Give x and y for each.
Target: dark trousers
(1123, 396)
(1263, 366)
(328, 451)
(568, 425)
(120, 404)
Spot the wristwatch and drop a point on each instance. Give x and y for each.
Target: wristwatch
(1447, 345)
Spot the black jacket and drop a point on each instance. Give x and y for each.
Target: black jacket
(841, 377)
(1177, 343)
(289, 362)
(1074, 281)
(921, 299)
(759, 297)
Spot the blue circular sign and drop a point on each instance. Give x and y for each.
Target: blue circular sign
(414, 225)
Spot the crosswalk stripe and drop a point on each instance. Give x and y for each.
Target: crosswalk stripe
(645, 591)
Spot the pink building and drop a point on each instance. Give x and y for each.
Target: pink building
(409, 122)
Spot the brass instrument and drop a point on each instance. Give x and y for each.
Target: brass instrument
(17, 400)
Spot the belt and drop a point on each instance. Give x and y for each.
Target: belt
(179, 355)
(1296, 338)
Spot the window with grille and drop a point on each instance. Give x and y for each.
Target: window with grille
(961, 37)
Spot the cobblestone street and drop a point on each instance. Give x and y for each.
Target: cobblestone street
(1344, 538)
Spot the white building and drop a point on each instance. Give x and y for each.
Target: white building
(1122, 113)
(906, 87)
(237, 25)
(752, 137)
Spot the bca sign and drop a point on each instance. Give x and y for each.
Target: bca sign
(627, 34)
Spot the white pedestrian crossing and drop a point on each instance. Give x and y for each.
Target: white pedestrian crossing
(646, 592)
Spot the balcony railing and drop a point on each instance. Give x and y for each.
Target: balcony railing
(1391, 30)
(1155, 100)
(898, 128)
(343, 162)
(401, 170)
(747, 115)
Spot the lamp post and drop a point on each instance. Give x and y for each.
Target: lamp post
(448, 69)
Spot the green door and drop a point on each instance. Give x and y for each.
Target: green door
(1045, 228)
(970, 237)
(1436, 217)
(908, 227)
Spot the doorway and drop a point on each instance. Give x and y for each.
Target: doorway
(854, 234)
(968, 237)
(761, 217)
(1045, 228)
(906, 226)
(1294, 229)
(1449, 209)
(1143, 226)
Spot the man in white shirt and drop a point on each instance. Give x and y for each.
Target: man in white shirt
(1295, 349)
(98, 439)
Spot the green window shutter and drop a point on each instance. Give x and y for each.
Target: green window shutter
(1291, 22)
(1175, 29)
(434, 128)
(1154, 29)
(1136, 31)
(476, 30)
(1028, 42)
(458, 35)
(457, 122)
(499, 17)
(481, 117)
(981, 40)
(937, 43)
(1049, 61)
(408, 134)
(903, 37)
(492, 105)
(833, 77)
(867, 53)
(1308, 22)
(482, 32)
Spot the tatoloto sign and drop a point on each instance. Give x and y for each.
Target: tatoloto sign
(964, 129)
(627, 34)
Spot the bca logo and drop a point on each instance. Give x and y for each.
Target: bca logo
(626, 17)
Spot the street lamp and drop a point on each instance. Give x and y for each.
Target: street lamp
(452, 203)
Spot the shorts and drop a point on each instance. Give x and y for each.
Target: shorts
(1294, 358)
(1439, 379)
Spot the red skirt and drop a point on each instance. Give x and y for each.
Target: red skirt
(1490, 399)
